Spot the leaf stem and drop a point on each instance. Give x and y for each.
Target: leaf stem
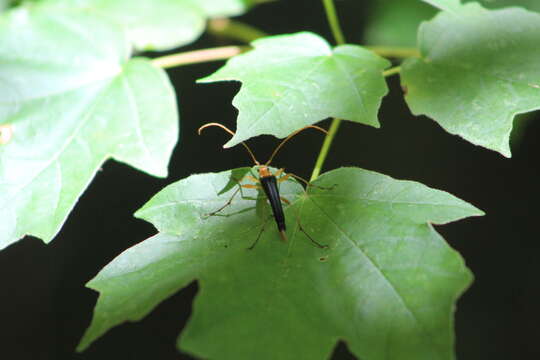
(332, 133)
(331, 14)
(234, 30)
(198, 56)
(333, 20)
(394, 52)
(325, 148)
(392, 71)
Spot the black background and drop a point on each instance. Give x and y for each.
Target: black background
(45, 308)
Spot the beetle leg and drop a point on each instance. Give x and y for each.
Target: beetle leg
(252, 178)
(284, 178)
(263, 227)
(319, 245)
(310, 184)
(301, 228)
(289, 175)
(250, 186)
(229, 202)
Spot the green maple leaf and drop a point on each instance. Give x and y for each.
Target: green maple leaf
(225, 8)
(478, 69)
(290, 81)
(386, 285)
(533, 5)
(160, 24)
(447, 5)
(65, 110)
(395, 23)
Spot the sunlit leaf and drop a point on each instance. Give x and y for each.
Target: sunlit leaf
(386, 285)
(290, 81)
(395, 23)
(533, 5)
(224, 8)
(447, 5)
(477, 71)
(69, 108)
(160, 24)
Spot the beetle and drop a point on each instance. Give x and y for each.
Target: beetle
(269, 182)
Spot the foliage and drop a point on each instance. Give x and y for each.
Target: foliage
(470, 74)
(162, 24)
(381, 251)
(88, 102)
(396, 23)
(291, 81)
(73, 94)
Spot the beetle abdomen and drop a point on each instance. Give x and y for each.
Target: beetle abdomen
(269, 184)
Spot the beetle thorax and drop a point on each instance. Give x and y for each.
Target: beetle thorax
(264, 171)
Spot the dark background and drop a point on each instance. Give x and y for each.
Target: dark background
(45, 308)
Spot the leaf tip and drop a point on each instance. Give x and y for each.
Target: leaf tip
(203, 80)
(84, 342)
(474, 211)
(506, 152)
(232, 142)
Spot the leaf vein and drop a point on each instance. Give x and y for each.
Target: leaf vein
(381, 272)
(274, 104)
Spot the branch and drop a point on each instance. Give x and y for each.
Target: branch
(198, 56)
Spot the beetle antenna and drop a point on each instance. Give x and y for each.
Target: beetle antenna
(292, 135)
(232, 133)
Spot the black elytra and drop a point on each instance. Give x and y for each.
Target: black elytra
(269, 185)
